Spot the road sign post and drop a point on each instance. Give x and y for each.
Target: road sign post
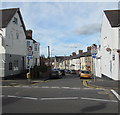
(29, 57)
(94, 52)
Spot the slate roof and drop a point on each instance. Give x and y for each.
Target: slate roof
(114, 17)
(34, 41)
(84, 54)
(7, 14)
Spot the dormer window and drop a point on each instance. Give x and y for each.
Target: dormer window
(15, 20)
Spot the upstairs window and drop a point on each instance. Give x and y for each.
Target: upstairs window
(28, 43)
(35, 47)
(38, 47)
(15, 20)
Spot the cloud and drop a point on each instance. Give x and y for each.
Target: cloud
(88, 29)
(60, 25)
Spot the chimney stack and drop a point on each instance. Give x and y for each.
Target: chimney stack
(89, 49)
(73, 53)
(80, 51)
(29, 34)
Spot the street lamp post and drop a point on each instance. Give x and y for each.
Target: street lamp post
(51, 56)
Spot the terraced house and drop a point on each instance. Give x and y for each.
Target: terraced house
(108, 57)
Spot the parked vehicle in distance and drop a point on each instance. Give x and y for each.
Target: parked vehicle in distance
(67, 71)
(73, 72)
(54, 73)
(62, 71)
(84, 74)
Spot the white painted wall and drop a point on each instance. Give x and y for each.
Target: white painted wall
(35, 54)
(98, 64)
(75, 62)
(14, 45)
(2, 40)
(109, 38)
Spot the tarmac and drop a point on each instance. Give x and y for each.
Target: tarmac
(19, 82)
(95, 82)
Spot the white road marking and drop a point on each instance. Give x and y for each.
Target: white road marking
(99, 99)
(33, 98)
(26, 86)
(13, 96)
(65, 87)
(23, 97)
(61, 98)
(30, 98)
(55, 87)
(116, 94)
(75, 88)
(45, 87)
(35, 87)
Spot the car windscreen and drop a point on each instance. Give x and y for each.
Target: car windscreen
(85, 72)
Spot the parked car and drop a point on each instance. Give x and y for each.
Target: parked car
(73, 72)
(84, 74)
(67, 71)
(62, 71)
(54, 73)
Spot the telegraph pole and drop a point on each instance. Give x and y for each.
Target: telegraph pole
(48, 55)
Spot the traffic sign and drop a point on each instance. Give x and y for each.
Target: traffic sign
(93, 55)
(94, 49)
(29, 57)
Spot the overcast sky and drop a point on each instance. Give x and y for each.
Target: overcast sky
(64, 26)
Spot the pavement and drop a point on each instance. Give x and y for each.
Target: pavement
(104, 83)
(17, 82)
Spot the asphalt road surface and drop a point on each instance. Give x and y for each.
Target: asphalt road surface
(65, 95)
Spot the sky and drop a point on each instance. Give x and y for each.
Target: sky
(64, 26)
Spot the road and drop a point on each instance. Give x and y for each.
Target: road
(66, 95)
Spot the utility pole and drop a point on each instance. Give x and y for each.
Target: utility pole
(48, 55)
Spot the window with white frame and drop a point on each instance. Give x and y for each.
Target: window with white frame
(35, 47)
(28, 43)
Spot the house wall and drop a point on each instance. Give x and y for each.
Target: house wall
(2, 51)
(109, 39)
(86, 63)
(14, 48)
(98, 64)
(36, 54)
(29, 62)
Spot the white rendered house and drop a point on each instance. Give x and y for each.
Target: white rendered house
(32, 57)
(12, 42)
(108, 55)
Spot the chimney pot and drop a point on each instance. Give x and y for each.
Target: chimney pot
(29, 33)
(73, 54)
(80, 51)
